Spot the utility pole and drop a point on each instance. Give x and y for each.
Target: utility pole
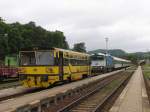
(106, 53)
(106, 39)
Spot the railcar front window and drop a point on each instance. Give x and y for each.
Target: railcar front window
(97, 58)
(45, 58)
(27, 58)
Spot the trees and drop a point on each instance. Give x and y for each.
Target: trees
(4, 28)
(28, 36)
(80, 47)
(133, 58)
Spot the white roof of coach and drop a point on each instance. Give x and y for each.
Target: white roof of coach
(120, 59)
(99, 54)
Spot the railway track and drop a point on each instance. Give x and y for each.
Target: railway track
(23, 92)
(68, 94)
(92, 101)
(93, 97)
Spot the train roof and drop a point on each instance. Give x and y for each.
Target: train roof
(58, 49)
(115, 58)
(98, 54)
(64, 50)
(101, 54)
(120, 59)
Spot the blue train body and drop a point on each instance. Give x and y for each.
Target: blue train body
(106, 63)
(109, 61)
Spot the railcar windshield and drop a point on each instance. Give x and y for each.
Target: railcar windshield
(37, 58)
(45, 58)
(97, 57)
(27, 58)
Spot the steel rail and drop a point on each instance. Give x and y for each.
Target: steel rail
(76, 102)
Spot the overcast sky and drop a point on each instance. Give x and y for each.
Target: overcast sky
(125, 22)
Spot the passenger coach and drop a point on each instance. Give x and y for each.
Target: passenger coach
(42, 68)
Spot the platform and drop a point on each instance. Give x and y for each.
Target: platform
(134, 97)
(14, 91)
(26, 99)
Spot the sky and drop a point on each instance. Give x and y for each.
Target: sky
(125, 22)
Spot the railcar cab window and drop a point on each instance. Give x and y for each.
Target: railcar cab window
(97, 57)
(37, 58)
(27, 58)
(45, 58)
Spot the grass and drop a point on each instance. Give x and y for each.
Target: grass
(116, 82)
(147, 74)
(146, 71)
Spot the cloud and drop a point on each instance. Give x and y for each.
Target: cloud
(125, 22)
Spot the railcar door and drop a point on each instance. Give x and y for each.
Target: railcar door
(61, 72)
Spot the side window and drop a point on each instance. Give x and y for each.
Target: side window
(79, 62)
(73, 62)
(66, 61)
(84, 62)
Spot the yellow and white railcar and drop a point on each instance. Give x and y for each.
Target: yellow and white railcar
(42, 68)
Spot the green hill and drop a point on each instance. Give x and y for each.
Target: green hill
(113, 52)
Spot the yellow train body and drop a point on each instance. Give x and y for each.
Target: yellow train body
(46, 75)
